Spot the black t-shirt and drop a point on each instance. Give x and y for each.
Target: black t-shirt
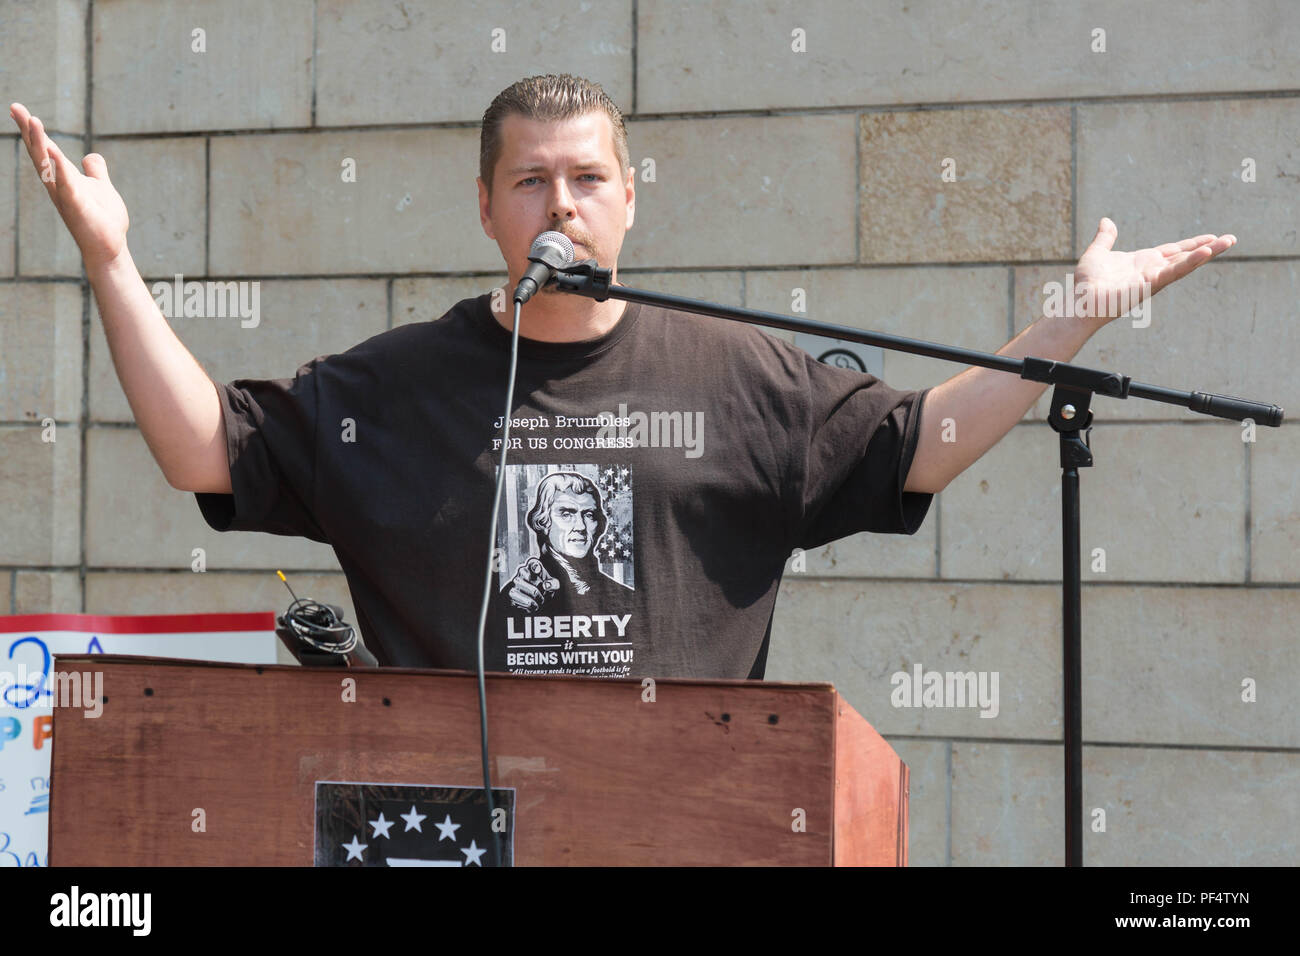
(658, 479)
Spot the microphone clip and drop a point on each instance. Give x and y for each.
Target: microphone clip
(585, 277)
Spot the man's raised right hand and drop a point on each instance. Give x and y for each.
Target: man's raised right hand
(91, 208)
(173, 400)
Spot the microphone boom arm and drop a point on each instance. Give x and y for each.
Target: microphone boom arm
(588, 279)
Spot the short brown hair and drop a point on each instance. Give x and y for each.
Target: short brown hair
(547, 98)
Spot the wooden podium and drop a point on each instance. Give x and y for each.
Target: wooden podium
(197, 764)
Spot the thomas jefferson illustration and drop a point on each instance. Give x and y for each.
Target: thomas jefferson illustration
(569, 520)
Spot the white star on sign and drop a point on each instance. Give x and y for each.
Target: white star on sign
(412, 820)
(354, 848)
(472, 854)
(381, 826)
(447, 829)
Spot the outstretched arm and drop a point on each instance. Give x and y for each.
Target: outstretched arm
(985, 404)
(173, 400)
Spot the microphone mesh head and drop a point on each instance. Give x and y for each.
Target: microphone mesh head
(556, 239)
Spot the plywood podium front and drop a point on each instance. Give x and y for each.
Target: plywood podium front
(201, 764)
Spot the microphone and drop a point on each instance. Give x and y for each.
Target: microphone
(550, 251)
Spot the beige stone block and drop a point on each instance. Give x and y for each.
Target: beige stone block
(867, 555)
(254, 71)
(279, 204)
(741, 55)
(1165, 171)
(45, 247)
(9, 146)
(1165, 502)
(1007, 803)
(163, 183)
(859, 634)
(40, 495)
(1226, 328)
(927, 764)
(1192, 807)
(1167, 665)
(423, 300)
(40, 350)
(213, 592)
(134, 519)
(1163, 807)
(295, 322)
(965, 306)
(44, 63)
(1009, 198)
(47, 592)
(1274, 505)
(743, 191)
(422, 61)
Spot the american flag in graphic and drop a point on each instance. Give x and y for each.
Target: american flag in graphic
(615, 549)
(382, 824)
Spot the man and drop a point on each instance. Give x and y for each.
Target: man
(787, 452)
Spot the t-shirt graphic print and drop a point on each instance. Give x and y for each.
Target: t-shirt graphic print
(566, 569)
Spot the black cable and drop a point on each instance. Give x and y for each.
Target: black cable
(316, 624)
(487, 581)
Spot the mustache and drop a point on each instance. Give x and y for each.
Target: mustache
(576, 235)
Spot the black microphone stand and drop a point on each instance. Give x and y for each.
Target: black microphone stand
(1069, 416)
